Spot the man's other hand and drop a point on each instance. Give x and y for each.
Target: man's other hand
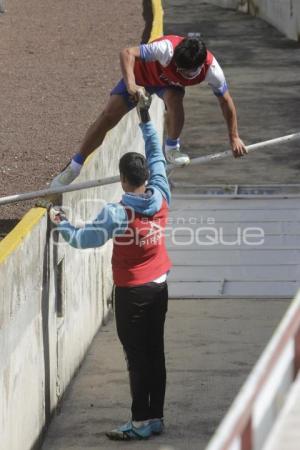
(136, 92)
(238, 147)
(57, 215)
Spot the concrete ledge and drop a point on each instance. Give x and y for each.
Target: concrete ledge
(22, 229)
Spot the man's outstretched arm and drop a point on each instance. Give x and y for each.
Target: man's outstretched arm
(229, 113)
(216, 80)
(112, 220)
(156, 160)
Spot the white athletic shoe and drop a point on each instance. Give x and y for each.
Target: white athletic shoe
(65, 177)
(142, 107)
(174, 156)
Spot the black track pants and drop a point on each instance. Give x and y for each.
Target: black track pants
(140, 313)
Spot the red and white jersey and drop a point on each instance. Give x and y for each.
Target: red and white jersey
(155, 67)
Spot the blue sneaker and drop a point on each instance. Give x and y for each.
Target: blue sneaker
(129, 432)
(157, 426)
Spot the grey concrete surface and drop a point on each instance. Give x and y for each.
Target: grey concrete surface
(262, 68)
(210, 347)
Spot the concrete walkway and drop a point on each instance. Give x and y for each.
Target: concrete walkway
(210, 346)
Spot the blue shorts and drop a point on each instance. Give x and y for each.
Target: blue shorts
(121, 89)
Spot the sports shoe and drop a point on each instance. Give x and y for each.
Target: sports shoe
(157, 426)
(174, 156)
(143, 106)
(64, 178)
(129, 432)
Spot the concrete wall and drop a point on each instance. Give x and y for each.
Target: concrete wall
(53, 298)
(282, 14)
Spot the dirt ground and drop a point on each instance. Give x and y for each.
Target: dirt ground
(59, 61)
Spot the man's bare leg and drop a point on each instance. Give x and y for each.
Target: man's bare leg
(173, 99)
(115, 109)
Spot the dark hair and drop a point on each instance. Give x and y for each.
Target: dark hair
(190, 53)
(133, 166)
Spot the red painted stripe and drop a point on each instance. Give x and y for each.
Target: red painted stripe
(246, 438)
(297, 353)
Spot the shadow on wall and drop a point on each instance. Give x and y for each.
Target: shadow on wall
(6, 225)
(45, 305)
(45, 309)
(148, 18)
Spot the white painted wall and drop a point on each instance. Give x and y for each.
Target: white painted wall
(22, 371)
(39, 351)
(282, 14)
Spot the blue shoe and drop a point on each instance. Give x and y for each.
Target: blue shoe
(129, 432)
(157, 426)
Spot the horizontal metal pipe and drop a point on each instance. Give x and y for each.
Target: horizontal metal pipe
(89, 184)
(59, 190)
(250, 148)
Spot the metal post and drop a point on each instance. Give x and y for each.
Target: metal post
(2, 6)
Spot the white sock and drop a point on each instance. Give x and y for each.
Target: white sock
(76, 167)
(172, 144)
(140, 423)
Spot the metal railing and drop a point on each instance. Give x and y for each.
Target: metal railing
(115, 179)
(252, 415)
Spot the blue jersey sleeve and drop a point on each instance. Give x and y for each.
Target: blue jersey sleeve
(111, 221)
(156, 160)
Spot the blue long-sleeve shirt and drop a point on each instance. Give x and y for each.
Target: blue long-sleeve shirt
(112, 220)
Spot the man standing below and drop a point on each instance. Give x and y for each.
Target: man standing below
(163, 67)
(140, 265)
